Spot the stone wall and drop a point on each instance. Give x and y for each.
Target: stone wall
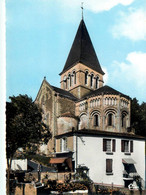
(27, 189)
(76, 88)
(65, 105)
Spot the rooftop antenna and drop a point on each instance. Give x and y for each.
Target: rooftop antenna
(82, 9)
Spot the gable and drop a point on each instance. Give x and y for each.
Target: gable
(45, 93)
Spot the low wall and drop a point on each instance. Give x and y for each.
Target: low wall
(25, 189)
(56, 176)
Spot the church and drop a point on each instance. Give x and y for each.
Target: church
(90, 121)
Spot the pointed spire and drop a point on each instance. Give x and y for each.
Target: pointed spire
(82, 51)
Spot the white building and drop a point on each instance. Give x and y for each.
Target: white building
(112, 158)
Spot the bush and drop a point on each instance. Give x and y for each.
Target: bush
(65, 187)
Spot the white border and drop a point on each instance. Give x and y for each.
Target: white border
(2, 96)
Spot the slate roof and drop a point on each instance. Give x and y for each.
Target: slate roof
(64, 93)
(82, 51)
(98, 133)
(105, 90)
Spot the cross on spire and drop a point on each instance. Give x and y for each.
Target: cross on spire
(82, 9)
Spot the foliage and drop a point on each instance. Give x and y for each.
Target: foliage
(24, 124)
(81, 176)
(65, 187)
(102, 190)
(138, 117)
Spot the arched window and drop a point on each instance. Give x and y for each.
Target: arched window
(96, 120)
(99, 102)
(106, 101)
(110, 119)
(112, 101)
(91, 104)
(109, 101)
(115, 101)
(74, 77)
(64, 82)
(123, 119)
(96, 82)
(68, 81)
(91, 80)
(96, 102)
(86, 77)
(69, 78)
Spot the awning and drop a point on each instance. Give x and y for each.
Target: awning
(68, 160)
(57, 160)
(128, 161)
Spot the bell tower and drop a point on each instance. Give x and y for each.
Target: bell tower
(82, 72)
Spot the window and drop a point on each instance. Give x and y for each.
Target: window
(64, 82)
(110, 119)
(109, 165)
(86, 77)
(74, 77)
(91, 81)
(96, 82)
(96, 118)
(123, 120)
(63, 144)
(109, 145)
(126, 146)
(70, 80)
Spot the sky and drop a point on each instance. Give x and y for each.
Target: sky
(39, 35)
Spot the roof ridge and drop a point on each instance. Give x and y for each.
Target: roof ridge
(64, 92)
(106, 90)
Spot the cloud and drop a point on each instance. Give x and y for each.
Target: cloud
(96, 5)
(105, 5)
(130, 75)
(131, 25)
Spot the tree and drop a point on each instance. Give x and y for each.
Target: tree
(138, 117)
(24, 127)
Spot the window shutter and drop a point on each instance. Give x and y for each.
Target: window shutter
(122, 145)
(108, 165)
(131, 146)
(114, 145)
(104, 145)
